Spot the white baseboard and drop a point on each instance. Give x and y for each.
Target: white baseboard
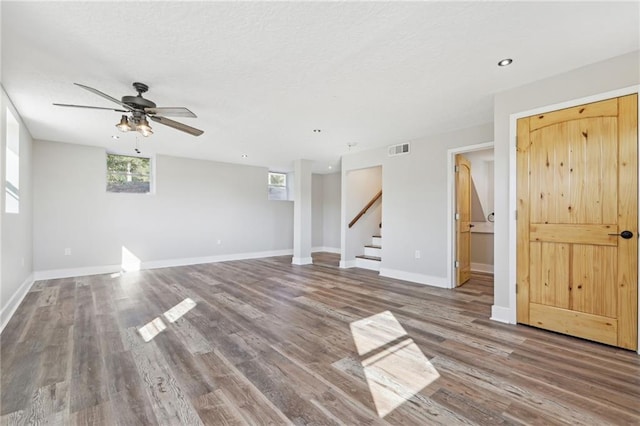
(155, 264)
(482, 267)
(344, 264)
(301, 261)
(53, 274)
(10, 307)
(168, 263)
(335, 250)
(415, 278)
(502, 314)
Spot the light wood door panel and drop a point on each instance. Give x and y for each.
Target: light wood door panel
(578, 234)
(587, 326)
(550, 274)
(463, 220)
(607, 108)
(594, 269)
(577, 188)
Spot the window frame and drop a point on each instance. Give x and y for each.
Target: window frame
(152, 172)
(285, 186)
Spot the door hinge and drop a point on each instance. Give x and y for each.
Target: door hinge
(456, 169)
(456, 264)
(516, 214)
(516, 288)
(457, 216)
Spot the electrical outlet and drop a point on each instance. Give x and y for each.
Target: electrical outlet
(418, 254)
(67, 252)
(219, 242)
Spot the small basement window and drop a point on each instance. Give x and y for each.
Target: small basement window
(277, 186)
(128, 174)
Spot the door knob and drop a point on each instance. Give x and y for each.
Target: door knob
(625, 234)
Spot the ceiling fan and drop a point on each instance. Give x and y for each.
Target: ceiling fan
(136, 109)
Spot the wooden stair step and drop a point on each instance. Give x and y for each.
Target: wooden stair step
(375, 258)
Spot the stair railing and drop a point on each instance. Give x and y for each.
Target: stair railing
(365, 208)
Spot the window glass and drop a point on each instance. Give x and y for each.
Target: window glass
(128, 174)
(277, 186)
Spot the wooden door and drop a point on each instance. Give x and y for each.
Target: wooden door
(577, 191)
(463, 220)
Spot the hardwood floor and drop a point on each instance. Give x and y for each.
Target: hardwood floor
(267, 342)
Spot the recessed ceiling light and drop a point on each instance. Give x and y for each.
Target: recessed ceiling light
(317, 130)
(330, 167)
(244, 155)
(505, 62)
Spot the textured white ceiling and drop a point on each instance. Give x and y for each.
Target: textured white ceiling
(262, 75)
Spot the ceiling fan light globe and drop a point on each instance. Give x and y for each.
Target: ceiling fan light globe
(124, 125)
(146, 131)
(144, 128)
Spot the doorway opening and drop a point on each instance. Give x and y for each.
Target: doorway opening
(480, 239)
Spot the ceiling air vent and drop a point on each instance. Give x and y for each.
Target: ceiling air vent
(400, 149)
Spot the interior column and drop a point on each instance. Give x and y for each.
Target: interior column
(302, 213)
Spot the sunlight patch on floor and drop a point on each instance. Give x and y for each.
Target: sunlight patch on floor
(155, 327)
(394, 366)
(179, 310)
(152, 329)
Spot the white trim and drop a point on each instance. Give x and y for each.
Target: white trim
(52, 274)
(482, 267)
(334, 250)
(415, 278)
(168, 263)
(155, 264)
(345, 264)
(10, 308)
(511, 259)
(301, 261)
(502, 314)
(451, 190)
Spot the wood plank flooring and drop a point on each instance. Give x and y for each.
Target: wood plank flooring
(267, 342)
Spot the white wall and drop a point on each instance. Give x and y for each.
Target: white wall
(325, 212)
(482, 176)
(16, 229)
(317, 216)
(482, 251)
(358, 188)
(415, 203)
(619, 72)
(196, 204)
(331, 211)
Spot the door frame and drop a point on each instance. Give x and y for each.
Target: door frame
(513, 118)
(451, 202)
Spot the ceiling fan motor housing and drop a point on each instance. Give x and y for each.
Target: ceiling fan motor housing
(138, 102)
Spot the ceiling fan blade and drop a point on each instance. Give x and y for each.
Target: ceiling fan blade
(171, 111)
(104, 95)
(90, 107)
(178, 126)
